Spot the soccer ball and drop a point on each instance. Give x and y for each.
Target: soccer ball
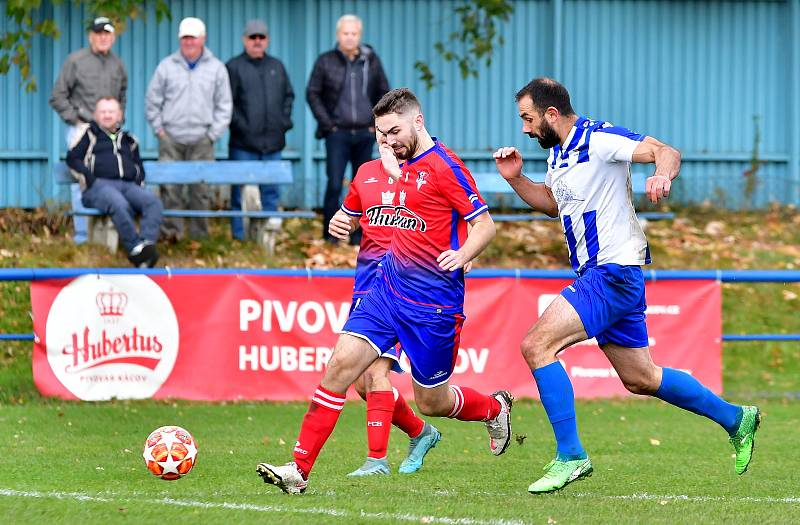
(170, 452)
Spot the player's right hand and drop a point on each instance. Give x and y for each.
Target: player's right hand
(389, 161)
(340, 225)
(509, 162)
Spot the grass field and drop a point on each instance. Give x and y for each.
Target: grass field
(72, 462)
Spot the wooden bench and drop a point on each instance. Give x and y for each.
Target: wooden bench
(264, 227)
(491, 183)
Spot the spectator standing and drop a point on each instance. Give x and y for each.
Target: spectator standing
(106, 163)
(345, 83)
(262, 112)
(188, 106)
(87, 75)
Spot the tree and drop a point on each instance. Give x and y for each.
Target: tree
(30, 21)
(475, 40)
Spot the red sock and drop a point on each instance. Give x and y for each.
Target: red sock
(380, 406)
(404, 417)
(471, 405)
(317, 426)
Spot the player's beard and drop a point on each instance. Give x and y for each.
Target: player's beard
(408, 149)
(547, 136)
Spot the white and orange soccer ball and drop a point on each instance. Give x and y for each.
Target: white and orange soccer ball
(170, 452)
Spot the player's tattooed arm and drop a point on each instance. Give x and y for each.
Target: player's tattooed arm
(481, 233)
(342, 225)
(538, 196)
(668, 165)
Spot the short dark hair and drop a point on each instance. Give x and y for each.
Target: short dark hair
(399, 100)
(546, 92)
(108, 97)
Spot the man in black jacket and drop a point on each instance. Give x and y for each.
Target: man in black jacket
(262, 112)
(345, 84)
(105, 161)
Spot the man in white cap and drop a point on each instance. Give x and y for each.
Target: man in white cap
(189, 106)
(87, 75)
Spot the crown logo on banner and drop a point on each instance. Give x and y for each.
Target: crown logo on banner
(111, 304)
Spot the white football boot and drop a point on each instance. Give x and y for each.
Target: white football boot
(500, 427)
(286, 477)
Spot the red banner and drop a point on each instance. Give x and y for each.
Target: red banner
(224, 337)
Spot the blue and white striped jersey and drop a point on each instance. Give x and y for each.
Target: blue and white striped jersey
(590, 180)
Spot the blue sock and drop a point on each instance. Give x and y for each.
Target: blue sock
(684, 391)
(558, 399)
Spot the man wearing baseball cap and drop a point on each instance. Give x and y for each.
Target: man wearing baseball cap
(86, 76)
(188, 105)
(262, 113)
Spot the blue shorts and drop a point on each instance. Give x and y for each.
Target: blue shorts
(429, 338)
(610, 301)
(392, 353)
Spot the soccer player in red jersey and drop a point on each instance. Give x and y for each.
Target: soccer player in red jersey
(417, 296)
(372, 190)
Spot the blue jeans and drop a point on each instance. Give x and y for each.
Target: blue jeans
(81, 223)
(123, 200)
(343, 146)
(270, 193)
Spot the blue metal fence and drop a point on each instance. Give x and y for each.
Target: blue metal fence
(693, 73)
(732, 276)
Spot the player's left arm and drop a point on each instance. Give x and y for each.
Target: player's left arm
(481, 233)
(668, 165)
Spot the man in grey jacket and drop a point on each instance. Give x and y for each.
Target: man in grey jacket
(188, 106)
(87, 75)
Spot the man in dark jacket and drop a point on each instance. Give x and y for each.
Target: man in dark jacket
(345, 84)
(262, 112)
(105, 161)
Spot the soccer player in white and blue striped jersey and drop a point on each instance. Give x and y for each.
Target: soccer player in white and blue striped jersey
(588, 187)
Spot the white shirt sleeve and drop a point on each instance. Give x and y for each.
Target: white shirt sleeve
(615, 144)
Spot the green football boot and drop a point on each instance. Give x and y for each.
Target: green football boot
(744, 440)
(560, 473)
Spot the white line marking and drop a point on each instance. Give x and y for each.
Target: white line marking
(77, 496)
(683, 497)
(643, 496)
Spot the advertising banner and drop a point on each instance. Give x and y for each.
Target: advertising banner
(226, 337)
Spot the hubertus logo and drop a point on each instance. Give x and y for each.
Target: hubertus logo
(112, 337)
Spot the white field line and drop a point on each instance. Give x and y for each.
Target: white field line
(641, 496)
(644, 496)
(383, 516)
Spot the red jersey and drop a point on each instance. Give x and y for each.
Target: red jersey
(434, 199)
(370, 197)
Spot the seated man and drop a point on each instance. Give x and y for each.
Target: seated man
(105, 161)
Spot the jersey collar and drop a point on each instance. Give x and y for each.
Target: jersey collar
(574, 137)
(412, 160)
